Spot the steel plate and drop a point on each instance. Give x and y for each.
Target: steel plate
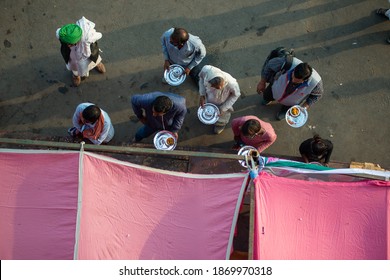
(244, 151)
(162, 138)
(175, 75)
(208, 114)
(299, 120)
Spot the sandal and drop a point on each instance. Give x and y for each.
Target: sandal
(382, 12)
(76, 80)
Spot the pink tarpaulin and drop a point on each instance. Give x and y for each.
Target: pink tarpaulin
(118, 211)
(298, 219)
(38, 205)
(135, 213)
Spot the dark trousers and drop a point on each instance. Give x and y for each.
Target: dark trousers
(268, 96)
(194, 73)
(143, 132)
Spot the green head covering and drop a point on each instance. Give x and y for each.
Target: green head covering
(70, 33)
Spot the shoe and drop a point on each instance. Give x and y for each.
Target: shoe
(101, 68)
(382, 12)
(281, 115)
(266, 102)
(76, 80)
(218, 129)
(72, 132)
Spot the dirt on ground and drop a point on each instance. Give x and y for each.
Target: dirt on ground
(344, 40)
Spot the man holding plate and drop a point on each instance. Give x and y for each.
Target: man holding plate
(90, 123)
(158, 111)
(221, 89)
(182, 48)
(251, 131)
(298, 85)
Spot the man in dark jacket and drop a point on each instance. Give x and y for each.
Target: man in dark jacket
(300, 84)
(158, 111)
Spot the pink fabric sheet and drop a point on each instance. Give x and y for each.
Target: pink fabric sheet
(297, 219)
(38, 205)
(134, 213)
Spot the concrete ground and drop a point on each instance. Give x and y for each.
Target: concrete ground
(344, 40)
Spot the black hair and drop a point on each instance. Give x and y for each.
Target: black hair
(180, 35)
(162, 104)
(91, 113)
(250, 125)
(318, 146)
(303, 71)
(216, 81)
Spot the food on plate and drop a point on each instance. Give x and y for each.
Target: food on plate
(295, 111)
(170, 141)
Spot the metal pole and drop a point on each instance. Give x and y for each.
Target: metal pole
(119, 149)
(251, 219)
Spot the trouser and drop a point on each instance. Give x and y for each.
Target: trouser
(194, 73)
(143, 132)
(268, 96)
(87, 65)
(224, 119)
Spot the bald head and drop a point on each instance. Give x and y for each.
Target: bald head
(179, 36)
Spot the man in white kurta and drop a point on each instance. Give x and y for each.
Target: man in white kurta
(221, 89)
(81, 125)
(384, 12)
(79, 48)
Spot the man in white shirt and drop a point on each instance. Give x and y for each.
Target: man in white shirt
(183, 48)
(383, 12)
(221, 89)
(80, 49)
(91, 123)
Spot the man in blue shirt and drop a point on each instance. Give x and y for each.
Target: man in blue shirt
(183, 48)
(158, 111)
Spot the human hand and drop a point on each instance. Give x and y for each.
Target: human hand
(202, 101)
(254, 173)
(176, 135)
(166, 64)
(305, 158)
(187, 70)
(78, 135)
(143, 120)
(236, 146)
(261, 87)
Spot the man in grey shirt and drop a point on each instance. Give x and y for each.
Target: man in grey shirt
(183, 48)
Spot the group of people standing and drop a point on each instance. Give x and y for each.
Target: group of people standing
(286, 80)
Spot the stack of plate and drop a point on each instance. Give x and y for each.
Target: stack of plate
(245, 150)
(175, 75)
(165, 140)
(296, 116)
(208, 114)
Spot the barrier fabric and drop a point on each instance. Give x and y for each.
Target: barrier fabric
(297, 219)
(108, 209)
(130, 212)
(38, 205)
